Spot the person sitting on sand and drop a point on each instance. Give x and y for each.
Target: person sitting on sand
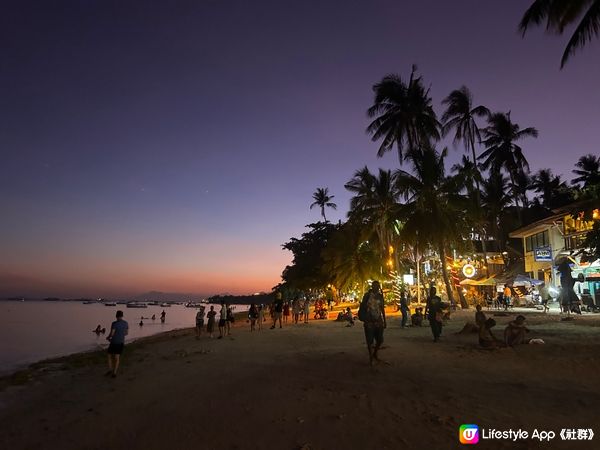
(514, 333)
(486, 338)
(348, 317)
(417, 318)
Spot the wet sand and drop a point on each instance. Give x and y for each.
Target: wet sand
(311, 387)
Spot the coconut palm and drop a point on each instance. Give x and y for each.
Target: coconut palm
(559, 14)
(375, 203)
(495, 199)
(350, 257)
(434, 208)
(546, 183)
(322, 199)
(403, 115)
(460, 115)
(501, 148)
(520, 185)
(588, 171)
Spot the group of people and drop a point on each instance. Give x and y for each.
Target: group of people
(514, 333)
(163, 318)
(226, 318)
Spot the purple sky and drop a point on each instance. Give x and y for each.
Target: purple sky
(147, 145)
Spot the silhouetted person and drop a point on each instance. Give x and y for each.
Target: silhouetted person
(118, 330)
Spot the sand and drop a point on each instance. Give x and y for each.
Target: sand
(311, 387)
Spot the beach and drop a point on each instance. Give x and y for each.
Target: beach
(309, 386)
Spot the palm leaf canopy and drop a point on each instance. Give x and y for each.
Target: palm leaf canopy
(403, 115)
(559, 14)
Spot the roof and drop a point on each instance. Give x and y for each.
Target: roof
(536, 227)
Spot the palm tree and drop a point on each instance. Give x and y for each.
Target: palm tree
(460, 116)
(403, 115)
(350, 257)
(546, 183)
(433, 211)
(559, 14)
(501, 149)
(375, 203)
(519, 186)
(495, 199)
(322, 199)
(588, 171)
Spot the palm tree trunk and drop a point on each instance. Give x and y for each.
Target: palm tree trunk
(478, 201)
(442, 252)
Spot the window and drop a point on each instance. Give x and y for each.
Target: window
(537, 240)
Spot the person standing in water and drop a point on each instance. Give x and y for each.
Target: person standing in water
(118, 330)
(163, 316)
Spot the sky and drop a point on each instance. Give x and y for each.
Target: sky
(174, 146)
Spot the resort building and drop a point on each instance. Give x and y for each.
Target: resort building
(548, 241)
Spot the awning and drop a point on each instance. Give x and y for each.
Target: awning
(491, 281)
(523, 279)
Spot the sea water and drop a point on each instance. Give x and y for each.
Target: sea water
(34, 330)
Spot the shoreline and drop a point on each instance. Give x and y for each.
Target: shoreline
(310, 385)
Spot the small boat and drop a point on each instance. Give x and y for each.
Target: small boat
(165, 305)
(89, 302)
(136, 305)
(152, 303)
(110, 304)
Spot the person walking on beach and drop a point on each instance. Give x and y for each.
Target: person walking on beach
(545, 296)
(230, 320)
(433, 311)
(306, 309)
(118, 330)
(372, 313)
(252, 316)
(278, 310)
(261, 316)
(286, 312)
(210, 327)
(404, 310)
(199, 322)
(296, 309)
(222, 320)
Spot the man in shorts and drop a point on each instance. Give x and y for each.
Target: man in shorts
(372, 314)
(118, 331)
(278, 307)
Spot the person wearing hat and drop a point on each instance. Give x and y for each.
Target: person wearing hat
(372, 314)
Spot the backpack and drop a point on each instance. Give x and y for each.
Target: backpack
(370, 309)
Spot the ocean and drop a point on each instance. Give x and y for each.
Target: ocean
(31, 331)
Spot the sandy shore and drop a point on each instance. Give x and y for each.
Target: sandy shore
(310, 387)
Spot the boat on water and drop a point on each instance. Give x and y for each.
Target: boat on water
(136, 305)
(165, 305)
(90, 302)
(152, 303)
(110, 304)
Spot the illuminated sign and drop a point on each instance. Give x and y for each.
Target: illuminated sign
(542, 254)
(468, 270)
